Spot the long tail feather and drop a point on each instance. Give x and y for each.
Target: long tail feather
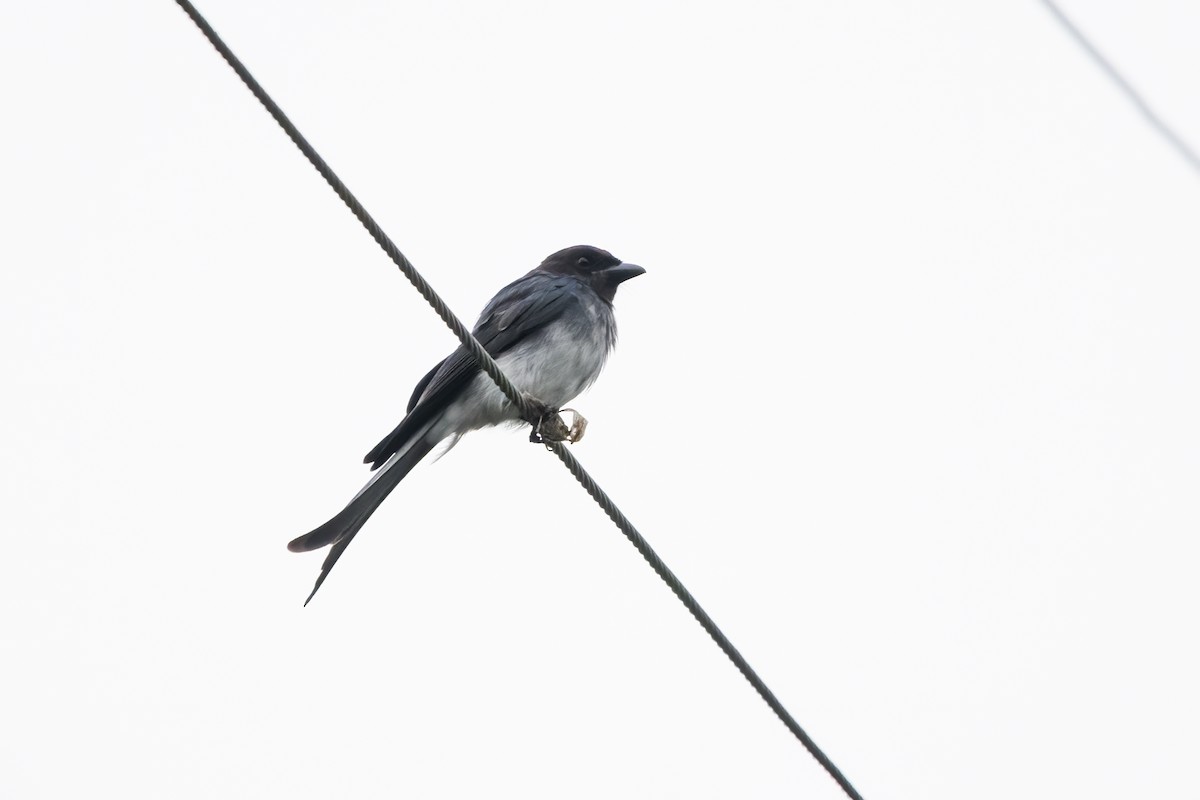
(340, 530)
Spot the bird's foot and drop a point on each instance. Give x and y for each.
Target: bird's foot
(549, 427)
(578, 425)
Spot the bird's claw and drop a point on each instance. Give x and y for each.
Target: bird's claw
(550, 427)
(537, 412)
(578, 425)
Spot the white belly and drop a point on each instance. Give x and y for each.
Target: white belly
(554, 365)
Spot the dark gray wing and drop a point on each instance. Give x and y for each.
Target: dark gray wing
(421, 386)
(519, 309)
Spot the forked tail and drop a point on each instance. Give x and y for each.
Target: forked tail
(340, 530)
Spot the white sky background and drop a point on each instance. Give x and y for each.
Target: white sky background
(907, 398)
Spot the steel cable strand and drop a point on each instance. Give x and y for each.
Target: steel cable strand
(456, 325)
(638, 541)
(514, 395)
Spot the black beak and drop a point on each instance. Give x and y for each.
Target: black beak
(623, 272)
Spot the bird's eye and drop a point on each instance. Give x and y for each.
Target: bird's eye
(582, 262)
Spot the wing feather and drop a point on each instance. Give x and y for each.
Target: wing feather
(518, 310)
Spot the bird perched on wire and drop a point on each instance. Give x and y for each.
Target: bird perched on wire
(550, 332)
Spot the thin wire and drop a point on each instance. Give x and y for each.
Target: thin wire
(460, 330)
(656, 563)
(518, 399)
(1135, 97)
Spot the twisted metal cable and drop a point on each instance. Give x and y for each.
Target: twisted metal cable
(706, 622)
(460, 330)
(519, 400)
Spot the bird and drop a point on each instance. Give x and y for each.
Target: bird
(550, 332)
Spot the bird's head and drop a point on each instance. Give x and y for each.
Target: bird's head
(601, 269)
